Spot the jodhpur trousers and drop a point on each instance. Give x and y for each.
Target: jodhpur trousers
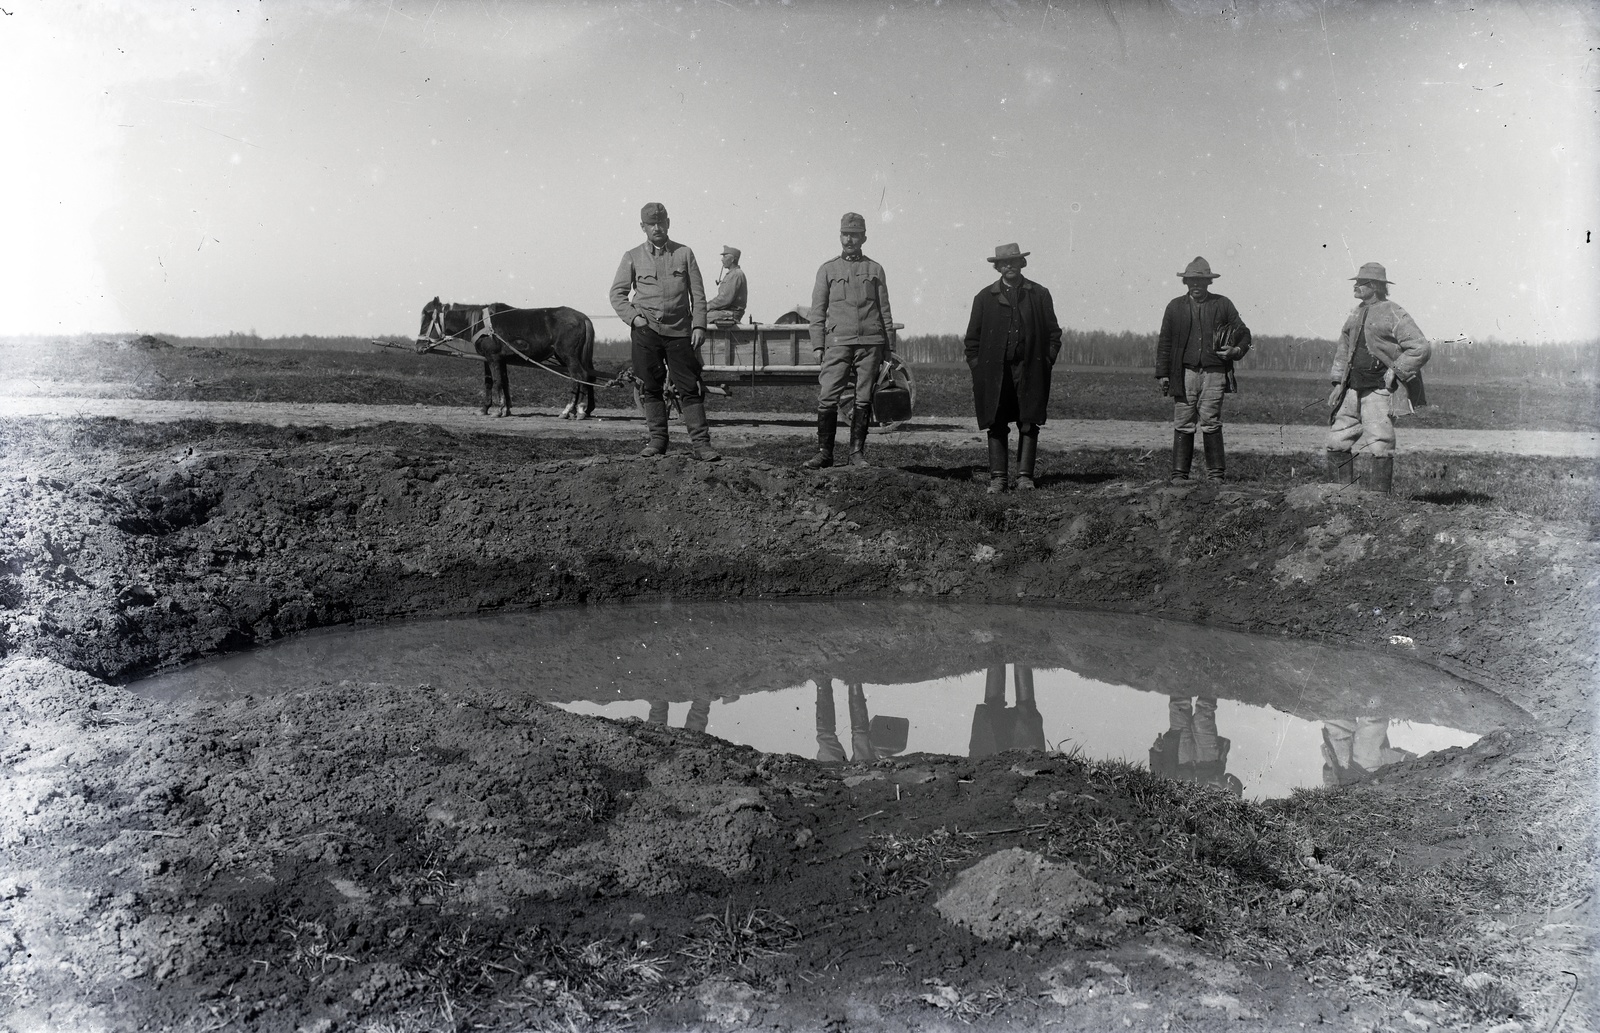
(1201, 408)
(841, 362)
(1364, 422)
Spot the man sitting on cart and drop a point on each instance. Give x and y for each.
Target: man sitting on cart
(851, 328)
(728, 305)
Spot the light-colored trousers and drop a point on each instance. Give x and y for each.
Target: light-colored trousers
(1196, 723)
(841, 362)
(1364, 422)
(1201, 408)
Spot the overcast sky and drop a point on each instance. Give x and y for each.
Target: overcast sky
(327, 168)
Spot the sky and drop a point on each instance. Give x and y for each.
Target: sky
(326, 168)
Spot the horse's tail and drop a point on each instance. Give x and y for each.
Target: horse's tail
(587, 355)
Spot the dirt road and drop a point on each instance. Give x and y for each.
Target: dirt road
(744, 427)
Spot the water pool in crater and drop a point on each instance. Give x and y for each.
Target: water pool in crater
(863, 680)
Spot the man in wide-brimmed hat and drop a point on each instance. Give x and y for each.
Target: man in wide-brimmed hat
(1012, 342)
(1202, 337)
(728, 306)
(659, 296)
(851, 328)
(1377, 374)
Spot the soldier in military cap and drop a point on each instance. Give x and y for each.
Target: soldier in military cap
(658, 293)
(851, 327)
(732, 291)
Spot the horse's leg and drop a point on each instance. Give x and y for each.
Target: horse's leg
(505, 388)
(488, 384)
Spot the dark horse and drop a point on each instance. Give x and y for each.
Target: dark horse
(501, 334)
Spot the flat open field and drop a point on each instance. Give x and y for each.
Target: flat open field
(380, 857)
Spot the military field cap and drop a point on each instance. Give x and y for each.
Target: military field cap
(655, 211)
(735, 252)
(1008, 252)
(1199, 269)
(1372, 271)
(852, 223)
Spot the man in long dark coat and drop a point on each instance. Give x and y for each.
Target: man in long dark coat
(1012, 343)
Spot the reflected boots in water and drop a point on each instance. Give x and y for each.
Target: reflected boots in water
(1378, 476)
(655, 423)
(694, 417)
(1216, 461)
(858, 435)
(999, 455)
(1027, 455)
(827, 426)
(1341, 467)
(1182, 455)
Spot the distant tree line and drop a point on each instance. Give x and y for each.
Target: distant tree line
(1293, 354)
(1125, 350)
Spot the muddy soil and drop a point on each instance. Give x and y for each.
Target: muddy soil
(362, 856)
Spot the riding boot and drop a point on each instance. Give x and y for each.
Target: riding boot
(1027, 454)
(1341, 467)
(1216, 462)
(999, 455)
(1384, 474)
(694, 417)
(1182, 455)
(1378, 476)
(827, 424)
(858, 435)
(655, 422)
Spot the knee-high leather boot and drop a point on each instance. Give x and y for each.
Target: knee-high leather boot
(1182, 455)
(694, 417)
(1341, 467)
(655, 423)
(827, 426)
(858, 435)
(999, 456)
(1027, 455)
(1379, 475)
(1216, 461)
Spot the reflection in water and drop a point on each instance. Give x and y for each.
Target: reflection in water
(871, 738)
(1353, 749)
(1190, 750)
(765, 674)
(996, 727)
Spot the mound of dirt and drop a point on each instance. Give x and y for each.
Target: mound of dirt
(359, 853)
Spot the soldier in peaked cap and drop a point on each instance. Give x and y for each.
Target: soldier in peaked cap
(851, 326)
(1377, 374)
(658, 294)
(1012, 343)
(728, 305)
(1202, 337)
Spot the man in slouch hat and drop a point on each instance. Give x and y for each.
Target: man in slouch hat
(658, 294)
(1202, 337)
(1012, 343)
(1377, 375)
(851, 328)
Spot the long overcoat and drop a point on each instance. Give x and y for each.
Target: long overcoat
(1038, 348)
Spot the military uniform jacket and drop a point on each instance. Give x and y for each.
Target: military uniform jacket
(850, 304)
(663, 286)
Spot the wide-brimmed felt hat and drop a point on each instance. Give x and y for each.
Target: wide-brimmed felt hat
(735, 252)
(1372, 271)
(1199, 269)
(1008, 253)
(850, 222)
(655, 211)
